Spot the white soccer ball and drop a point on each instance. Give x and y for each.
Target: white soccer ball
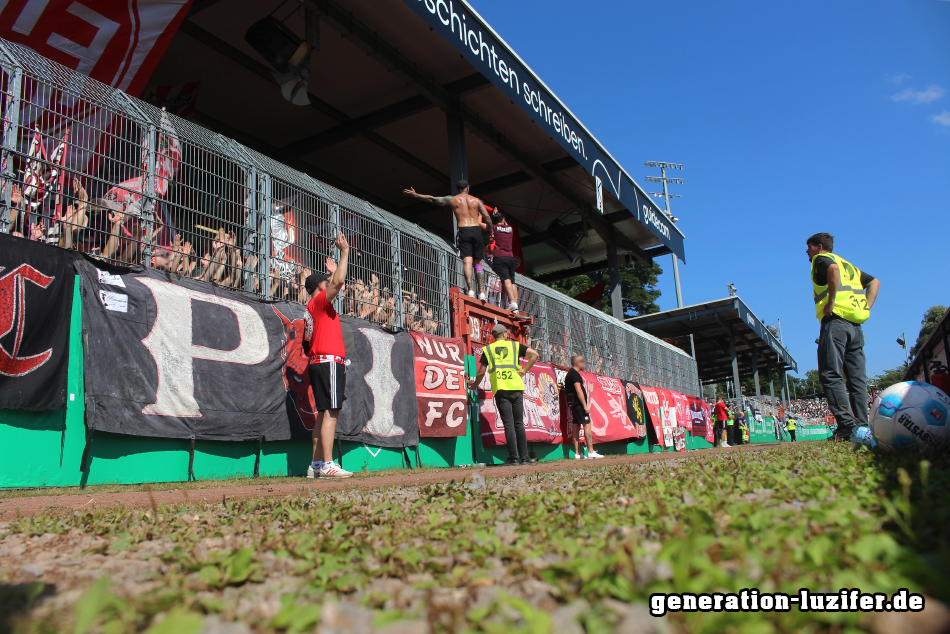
(911, 414)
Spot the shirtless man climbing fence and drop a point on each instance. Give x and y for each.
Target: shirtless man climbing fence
(469, 213)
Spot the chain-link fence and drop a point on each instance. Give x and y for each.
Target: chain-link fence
(86, 167)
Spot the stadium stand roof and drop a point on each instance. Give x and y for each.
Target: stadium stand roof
(420, 93)
(935, 348)
(728, 338)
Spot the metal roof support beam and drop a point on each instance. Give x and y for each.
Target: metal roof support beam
(346, 24)
(749, 344)
(251, 64)
(771, 386)
(517, 178)
(737, 387)
(378, 118)
(755, 373)
(613, 272)
(359, 125)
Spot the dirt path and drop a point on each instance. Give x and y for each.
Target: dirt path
(62, 504)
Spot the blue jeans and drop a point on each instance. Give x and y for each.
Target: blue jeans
(842, 371)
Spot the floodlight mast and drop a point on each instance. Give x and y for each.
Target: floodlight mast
(666, 196)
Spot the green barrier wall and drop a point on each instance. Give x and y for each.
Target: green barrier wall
(46, 448)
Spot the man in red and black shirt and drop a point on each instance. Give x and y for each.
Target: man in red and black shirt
(327, 362)
(503, 258)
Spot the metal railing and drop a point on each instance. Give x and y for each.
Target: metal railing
(87, 167)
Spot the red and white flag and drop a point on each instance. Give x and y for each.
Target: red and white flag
(117, 42)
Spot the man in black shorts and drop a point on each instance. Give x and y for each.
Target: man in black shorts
(580, 407)
(327, 356)
(503, 258)
(469, 213)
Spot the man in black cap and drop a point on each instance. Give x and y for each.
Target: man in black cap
(324, 333)
(470, 213)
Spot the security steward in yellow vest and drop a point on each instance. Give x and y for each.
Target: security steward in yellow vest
(502, 360)
(790, 427)
(844, 296)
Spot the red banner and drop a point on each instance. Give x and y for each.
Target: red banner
(542, 409)
(673, 434)
(440, 385)
(608, 410)
(683, 416)
(652, 400)
(701, 413)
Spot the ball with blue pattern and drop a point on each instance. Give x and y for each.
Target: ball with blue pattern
(912, 414)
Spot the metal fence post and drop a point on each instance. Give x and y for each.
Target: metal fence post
(11, 126)
(444, 286)
(396, 247)
(545, 343)
(251, 226)
(264, 246)
(148, 203)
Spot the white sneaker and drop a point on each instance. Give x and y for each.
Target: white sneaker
(578, 456)
(314, 473)
(482, 297)
(513, 307)
(725, 444)
(333, 470)
(471, 292)
(593, 454)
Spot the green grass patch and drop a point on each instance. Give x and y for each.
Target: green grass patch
(571, 551)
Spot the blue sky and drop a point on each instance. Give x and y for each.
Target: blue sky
(789, 118)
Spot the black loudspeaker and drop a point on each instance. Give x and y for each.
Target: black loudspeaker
(274, 41)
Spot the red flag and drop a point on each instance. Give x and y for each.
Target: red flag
(440, 385)
(608, 410)
(593, 297)
(651, 397)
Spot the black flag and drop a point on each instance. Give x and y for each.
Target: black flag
(36, 298)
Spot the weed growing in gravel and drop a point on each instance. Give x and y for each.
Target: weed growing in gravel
(578, 550)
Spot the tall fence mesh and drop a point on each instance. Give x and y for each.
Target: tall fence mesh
(86, 167)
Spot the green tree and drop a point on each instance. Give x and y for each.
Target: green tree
(889, 377)
(927, 325)
(810, 384)
(638, 282)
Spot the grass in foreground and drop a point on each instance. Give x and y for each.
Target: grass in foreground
(573, 551)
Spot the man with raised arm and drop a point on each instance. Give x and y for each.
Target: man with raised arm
(470, 213)
(503, 258)
(327, 362)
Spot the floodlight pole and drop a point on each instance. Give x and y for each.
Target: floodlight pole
(669, 215)
(676, 265)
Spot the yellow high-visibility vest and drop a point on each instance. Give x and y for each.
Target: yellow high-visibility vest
(850, 300)
(503, 365)
(790, 425)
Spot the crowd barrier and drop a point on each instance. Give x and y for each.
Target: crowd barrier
(90, 168)
(56, 448)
